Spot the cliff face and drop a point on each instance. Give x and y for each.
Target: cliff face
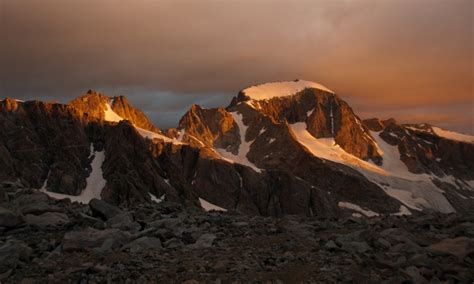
(131, 172)
(123, 108)
(325, 115)
(208, 127)
(40, 140)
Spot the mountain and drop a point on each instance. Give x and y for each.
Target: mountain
(278, 148)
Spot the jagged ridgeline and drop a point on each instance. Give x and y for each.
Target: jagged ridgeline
(279, 148)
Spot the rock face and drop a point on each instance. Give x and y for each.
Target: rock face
(208, 127)
(91, 106)
(122, 107)
(130, 169)
(40, 140)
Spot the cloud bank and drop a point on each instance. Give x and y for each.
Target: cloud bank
(409, 59)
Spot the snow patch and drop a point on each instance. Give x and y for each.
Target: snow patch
(209, 206)
(112, 116)
(95, 182)
(355, 207)
(327, 148)
(153, 135)
(403, 211)
(156, 199)
(244, 147)
(281, 89)
(453, 135)
(181, 135)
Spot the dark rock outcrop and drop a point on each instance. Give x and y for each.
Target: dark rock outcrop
(40, 140)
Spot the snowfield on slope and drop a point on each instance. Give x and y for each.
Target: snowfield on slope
(112, 116)
(207, 206)
(244, 146)
(357, 208)
(281, 89)
(393, 176)
(94, 183)
(451, 135)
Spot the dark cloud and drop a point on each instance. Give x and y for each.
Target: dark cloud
(408, 59)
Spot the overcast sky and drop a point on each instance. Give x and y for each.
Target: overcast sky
(412, 60)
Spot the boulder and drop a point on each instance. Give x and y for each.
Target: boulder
(89, 238)
(11, 253)
(144, 243)
(356, 247)
(460, 246)
(169, 223)
(103, 209)
(204, 241)
(123, 221)
(36, 203)
(9, 219)
(48, 219)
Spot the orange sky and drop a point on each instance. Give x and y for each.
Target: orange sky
(412, 60)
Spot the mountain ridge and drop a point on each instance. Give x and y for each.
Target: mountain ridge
(264, 156)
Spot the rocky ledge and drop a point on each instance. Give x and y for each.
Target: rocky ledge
(44, 240)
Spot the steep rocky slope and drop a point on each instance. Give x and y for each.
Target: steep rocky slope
(40, 140)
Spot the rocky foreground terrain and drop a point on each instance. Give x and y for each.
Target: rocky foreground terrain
(44, 240)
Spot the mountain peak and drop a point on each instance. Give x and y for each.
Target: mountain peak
(281, 89)
(100, 107)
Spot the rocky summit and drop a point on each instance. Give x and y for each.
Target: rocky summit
(286, 184)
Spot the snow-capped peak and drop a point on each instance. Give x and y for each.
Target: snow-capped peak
(281, 89)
